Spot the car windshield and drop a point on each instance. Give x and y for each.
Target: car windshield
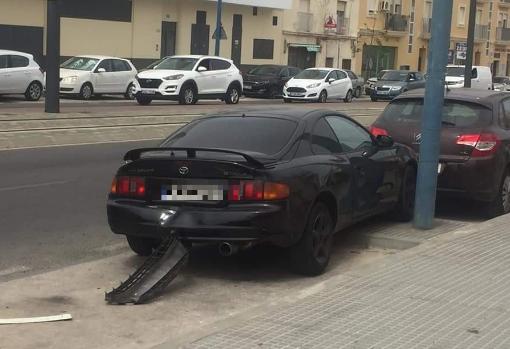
(265, 70)
(80, 63)
(500, 80)
(455, 71)
(176, 63)
(250, 134)
(455, 113)
(394, 76)
(312, 74)
(381, 73)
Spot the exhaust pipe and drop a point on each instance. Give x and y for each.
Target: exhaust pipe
(226, 249)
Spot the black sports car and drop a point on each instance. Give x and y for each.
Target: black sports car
(288, 177)
(267, 80)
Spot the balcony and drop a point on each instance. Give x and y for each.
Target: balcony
(396, 25)
(342, 25)
(481, 32)
(426, 29)
(503, 36)
(304, 22)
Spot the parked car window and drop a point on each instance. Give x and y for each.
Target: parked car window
(351, 75)
(106, 65)
(332, 75)
(119, 65)
(206, 63)
(219, 64)
(3, 62)
(351, 136)
(341, 75)
(174, 63)
(324, 140)
(505, 115)
(19, 61)
(265, 70)
(418, 76)
(230, 133)
(80, 63)
(455, 113)
(294, 71)
(128, 66)
(394, 75)
(284, 73)
(312, 74)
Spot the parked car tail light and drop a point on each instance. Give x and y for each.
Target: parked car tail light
(128, 186)
(376, 131)
(257, 191)
(483, 144)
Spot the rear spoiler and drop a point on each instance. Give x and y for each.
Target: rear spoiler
(135, 154)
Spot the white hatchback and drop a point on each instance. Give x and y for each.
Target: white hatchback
(189, 78)
(20, 74)
(319, 85)
(86, 76)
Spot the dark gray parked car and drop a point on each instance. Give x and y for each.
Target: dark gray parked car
(357, 83)
(395, 82)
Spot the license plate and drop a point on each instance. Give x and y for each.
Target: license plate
(295, 94)
(247, 87)
(192, 192)
(148, 92)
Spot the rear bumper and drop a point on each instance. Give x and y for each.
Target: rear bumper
(477, 179)
(240, 222)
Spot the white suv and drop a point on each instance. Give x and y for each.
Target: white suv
(20, 74)
(188, 78)
(86, 76)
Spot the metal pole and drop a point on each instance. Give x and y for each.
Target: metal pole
(432, 115)
(52, 102)
(470, 44)
(218, 28)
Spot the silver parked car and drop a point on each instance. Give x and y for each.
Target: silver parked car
(357, 83)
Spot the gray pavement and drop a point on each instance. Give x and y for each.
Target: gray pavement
(450, 292)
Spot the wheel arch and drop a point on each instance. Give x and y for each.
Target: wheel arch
(237, 84)
(328, 198)
(189, 82)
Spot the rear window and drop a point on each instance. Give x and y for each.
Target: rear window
(251, 134)
(455, 113)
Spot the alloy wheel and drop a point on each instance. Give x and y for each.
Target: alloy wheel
(234, 96)
(323, 97)
(35, 91)
(321, 236)
(505, 194)
(189, 96)
(86, 92)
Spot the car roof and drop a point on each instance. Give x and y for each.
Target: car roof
(10, 52)
(288, 113)
(483, 97)
(99, 57)
(199, 57)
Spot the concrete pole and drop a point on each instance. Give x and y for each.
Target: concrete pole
(219, 8)
(432, 115)
(470, 44)
(52, 102)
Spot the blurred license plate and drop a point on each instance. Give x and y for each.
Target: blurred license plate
(247, 87)
(148, 92)
(192, 192)
(295, 94)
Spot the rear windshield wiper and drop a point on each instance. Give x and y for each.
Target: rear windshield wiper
(448, 123)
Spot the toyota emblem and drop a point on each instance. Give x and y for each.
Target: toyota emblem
(184, 170)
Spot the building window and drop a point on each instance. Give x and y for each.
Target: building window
(112, 10)
(346, 64)
(263, 49)
(329, 62)
(275, 20)
(461, 18)
(411, 26)
(255, 10)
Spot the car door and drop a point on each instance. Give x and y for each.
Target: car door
(205, 80)
(284, 77)
(374, 186)
(104, 81)
(20, 75)
(120, 75)
(5, 75)
(332, 84)
(221, 78)
(344, 83)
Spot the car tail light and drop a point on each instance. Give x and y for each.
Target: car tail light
(376, 131)
(483, 144)
(257, 191)
(128, 186)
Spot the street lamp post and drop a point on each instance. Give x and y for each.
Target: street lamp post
(470, 44)
(219, 7)
(432, 115)
(52, 101)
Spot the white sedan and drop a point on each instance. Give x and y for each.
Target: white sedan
(87, 76)
(319, 85)
(20, 74)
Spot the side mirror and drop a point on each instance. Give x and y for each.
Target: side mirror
(330, 80)
(201, 69)
(101, 70)
(384, 141)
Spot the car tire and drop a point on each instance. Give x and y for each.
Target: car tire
(86, 91)
(348, 97)
(310, 256)
(404, 210)
(286, 100)
(501, 204)
(373, 99)
(188, 95)
(143, 100)
(357, 93)
(34, 91)
(142, 246)
(130, 92)
(323, 97)
(233, 94)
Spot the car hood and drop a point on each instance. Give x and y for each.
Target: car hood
(259, 78)
(73, 72)
(390, 83)
(160, 73)
(302, 82)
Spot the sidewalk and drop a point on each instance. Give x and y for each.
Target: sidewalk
(450, 292)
